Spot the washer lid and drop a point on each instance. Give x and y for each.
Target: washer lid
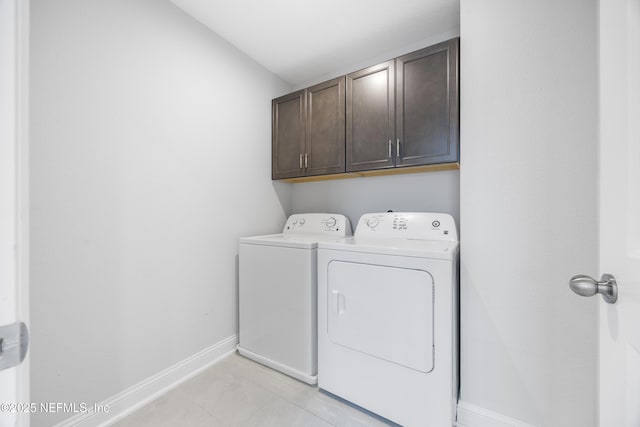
(305, 231)
(300, 241)
(436, 249)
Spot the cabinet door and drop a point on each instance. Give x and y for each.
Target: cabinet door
(287, 127)
(325, 128)
(370, 118)
(428, 105)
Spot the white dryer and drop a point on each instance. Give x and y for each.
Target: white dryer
(278, 293)
(387, 317)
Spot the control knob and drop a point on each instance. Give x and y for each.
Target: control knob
(331, 222)
(372, 222)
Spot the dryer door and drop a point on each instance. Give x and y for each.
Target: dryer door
(383, 311)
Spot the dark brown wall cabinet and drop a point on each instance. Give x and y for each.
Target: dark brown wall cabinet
(370, 118)
(404, 112)
(308, 131)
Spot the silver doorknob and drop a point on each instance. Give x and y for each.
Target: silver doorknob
(587, 286)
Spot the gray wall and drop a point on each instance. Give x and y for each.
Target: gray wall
(150, 157)
(429, 192)
(528, 208)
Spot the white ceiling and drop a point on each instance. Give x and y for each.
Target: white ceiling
(302, 40)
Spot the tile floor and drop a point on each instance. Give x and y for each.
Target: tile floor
(239, 392)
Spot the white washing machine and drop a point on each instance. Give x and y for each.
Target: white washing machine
(387, 317)
(278, 293)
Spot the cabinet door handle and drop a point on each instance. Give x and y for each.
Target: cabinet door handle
(306, 160)
(390, 144)
(398, 147)
(300, 160)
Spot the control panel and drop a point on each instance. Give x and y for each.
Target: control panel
(408, 225)
(331, 224)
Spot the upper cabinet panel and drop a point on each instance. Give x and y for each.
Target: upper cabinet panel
(325, 138)
(288, 135)
(370, 117)
(427, 105)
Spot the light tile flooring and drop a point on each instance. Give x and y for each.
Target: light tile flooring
(239, 392)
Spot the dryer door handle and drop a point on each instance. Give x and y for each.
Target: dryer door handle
(337, 302)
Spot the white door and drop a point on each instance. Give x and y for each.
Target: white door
(619, 376)
(14, 381)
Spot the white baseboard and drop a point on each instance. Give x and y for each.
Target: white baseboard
(127, 401)
(292, 372)
(474, 416)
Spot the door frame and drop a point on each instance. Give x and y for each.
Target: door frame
(22, 189)
(18, 197)
(619, 235)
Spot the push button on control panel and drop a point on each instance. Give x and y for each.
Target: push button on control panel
(295, 223)
(399, 222)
